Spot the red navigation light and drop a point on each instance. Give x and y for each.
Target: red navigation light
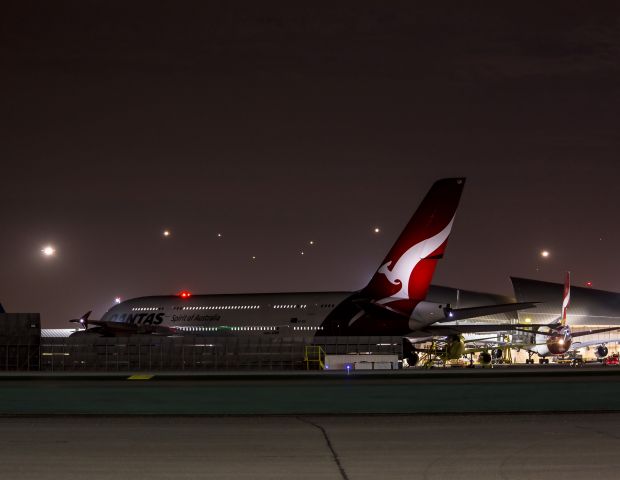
(589, 284)
(185, 294)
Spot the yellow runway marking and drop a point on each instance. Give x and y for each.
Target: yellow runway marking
(140, 377)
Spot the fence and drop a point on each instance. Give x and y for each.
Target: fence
(151, 353)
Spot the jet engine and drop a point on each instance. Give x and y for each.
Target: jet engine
(485, 358)
(412, 359)
(497, 353)
(601, 351)
(409, 353)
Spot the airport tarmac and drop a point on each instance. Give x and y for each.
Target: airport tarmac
(534, 389)
(520, 447)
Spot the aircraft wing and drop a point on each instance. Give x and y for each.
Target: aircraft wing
(435, 330)
(474, 312)
(450, 314)
(112, 329)
(442, 340)
(591, 332)
(589, 343)
(579, 334)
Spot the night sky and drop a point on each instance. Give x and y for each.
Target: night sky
(275, 124)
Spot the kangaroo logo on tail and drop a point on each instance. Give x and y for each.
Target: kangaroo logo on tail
(400, 273)
(404, 277)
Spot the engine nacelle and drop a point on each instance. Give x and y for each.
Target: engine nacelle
(426, 313)
(601, 351)
(497, 353)
(412, 359)
(409, 353)
(485, 358)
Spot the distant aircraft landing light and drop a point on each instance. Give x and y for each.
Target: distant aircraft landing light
(48, 251)
(117, 300)
(166, 233)
(377, 230)
(544, 253)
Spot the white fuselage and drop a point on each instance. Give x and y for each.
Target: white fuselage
(280, 314)
(540, 347)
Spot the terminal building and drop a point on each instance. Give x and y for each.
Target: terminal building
(25, 346)
(20, 340)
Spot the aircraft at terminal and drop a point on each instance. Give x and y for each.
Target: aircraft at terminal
(396, 301)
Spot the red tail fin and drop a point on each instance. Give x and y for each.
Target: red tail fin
(566, 298)
(405, 275)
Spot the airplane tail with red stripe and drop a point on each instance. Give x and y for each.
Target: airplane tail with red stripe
(565, 298)
(404, 277)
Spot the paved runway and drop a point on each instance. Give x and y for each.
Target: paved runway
(567, 446)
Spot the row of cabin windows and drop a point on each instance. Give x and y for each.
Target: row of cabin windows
(197, 329)
(228, 307)
(244, 329)
(214, 329)
(222, 307)
(237, 329)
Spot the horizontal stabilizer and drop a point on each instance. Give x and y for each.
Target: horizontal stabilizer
(379, 310)
(445, 330)
(593, 332)
(453, 314)
(589, 343)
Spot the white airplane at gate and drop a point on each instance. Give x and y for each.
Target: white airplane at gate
(560, 340)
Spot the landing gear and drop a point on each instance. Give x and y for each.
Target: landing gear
(529, 360)
(543, 361)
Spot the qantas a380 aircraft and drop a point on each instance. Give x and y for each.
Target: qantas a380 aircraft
(559, 339)
(394, 303)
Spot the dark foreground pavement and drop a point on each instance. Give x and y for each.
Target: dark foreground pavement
(534, 390)
(519, 447)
